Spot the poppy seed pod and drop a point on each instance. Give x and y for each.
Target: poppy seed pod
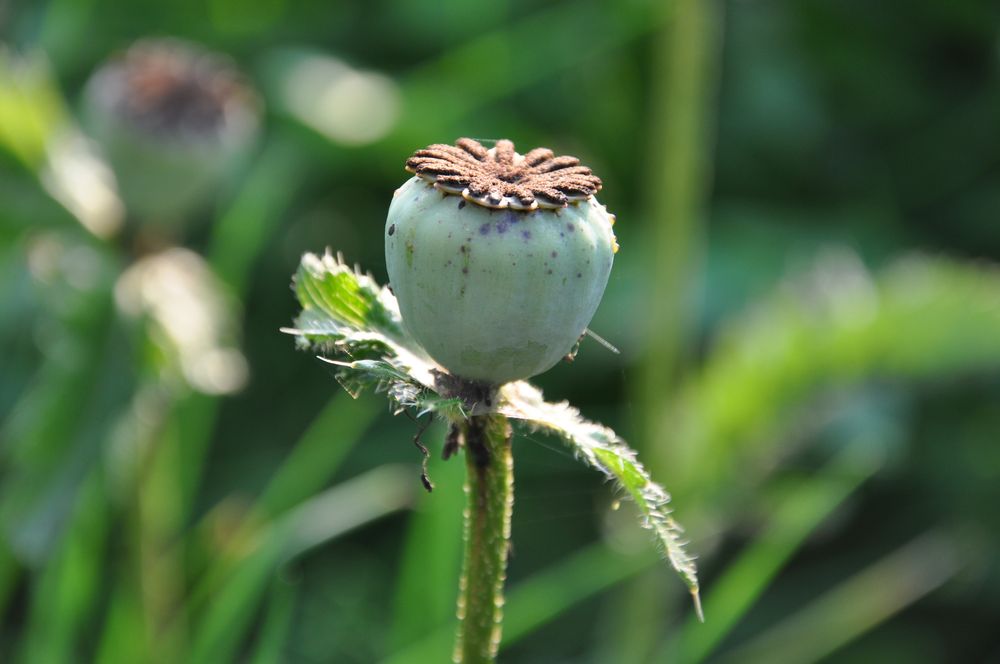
(172, 120)
(498, 259)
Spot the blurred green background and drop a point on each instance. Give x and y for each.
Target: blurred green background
(807, 304)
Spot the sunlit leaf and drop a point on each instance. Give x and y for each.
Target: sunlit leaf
(604, 450)
(346, 315)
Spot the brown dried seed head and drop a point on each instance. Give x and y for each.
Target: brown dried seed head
(501, 178)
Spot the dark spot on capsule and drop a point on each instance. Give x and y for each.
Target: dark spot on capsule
(392, 229)
(526, 235)
(570, 227)
(463, 249)
(484, 229)
(461, 204)
(465, 270)
(509, 218)
(562, 234)
(448, 264)
(548, 272)
(579, 275)
(554, 254)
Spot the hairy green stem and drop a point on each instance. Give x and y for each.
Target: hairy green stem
(489, 489)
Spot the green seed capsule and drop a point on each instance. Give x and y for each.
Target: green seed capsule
(498, 260)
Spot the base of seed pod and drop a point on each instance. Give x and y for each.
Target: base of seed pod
(477, 396)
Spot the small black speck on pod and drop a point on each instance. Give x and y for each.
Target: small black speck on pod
(548, 272)
(464, 249)
(579, 275)
(526, 235)
(484, 229)
(461, 204)
(570, 227)
(465, 270)
(392, 228)
(554, 254)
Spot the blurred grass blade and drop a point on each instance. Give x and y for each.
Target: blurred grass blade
(801, 509)
(604, 450)
(57, 446)
(551, 592)
(251, 219)
(427, 582)
(920, 318)
(31, 108)
(540, 598)
(495, 65)
(334, 512)
(314, 459)
(678, 181)
(857, 605)
(9, 572)
(37, 128)
(318, 453)
(277, 625)
(124, 638)
(64, 594)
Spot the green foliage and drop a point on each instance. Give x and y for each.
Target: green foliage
(834, 328)
(347, 313)
(826, 421)
(603, 449)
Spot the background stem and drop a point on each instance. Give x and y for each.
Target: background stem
(489, 488)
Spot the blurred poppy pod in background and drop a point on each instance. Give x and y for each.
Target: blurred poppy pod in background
(173, 120)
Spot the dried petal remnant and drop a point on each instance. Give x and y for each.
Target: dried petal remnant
(502, 178)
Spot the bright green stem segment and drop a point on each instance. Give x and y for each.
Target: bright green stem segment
(489, 490)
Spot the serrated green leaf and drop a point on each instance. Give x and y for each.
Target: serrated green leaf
(604, 450)
(356, 326)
